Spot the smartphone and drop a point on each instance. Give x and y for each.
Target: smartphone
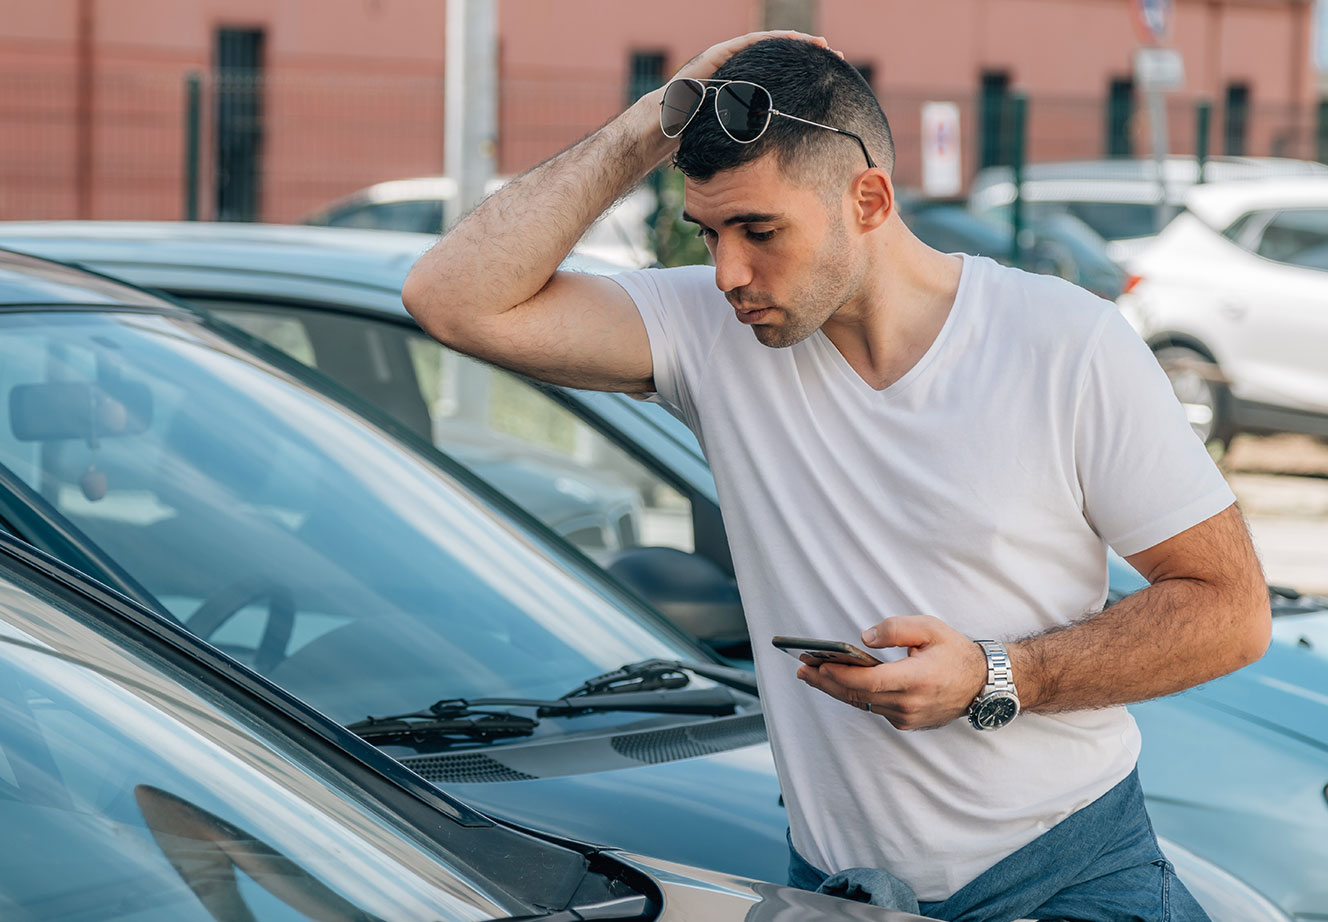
(824, 651)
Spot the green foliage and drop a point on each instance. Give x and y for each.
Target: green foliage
(674, 240)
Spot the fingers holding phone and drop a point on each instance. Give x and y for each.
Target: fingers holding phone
(933, 685)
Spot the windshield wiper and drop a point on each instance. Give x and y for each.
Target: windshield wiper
(660, 673)
(461, 719)
(443, 726)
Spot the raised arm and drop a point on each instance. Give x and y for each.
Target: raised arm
(491, 288)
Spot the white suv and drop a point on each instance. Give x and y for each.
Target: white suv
(1233, 298)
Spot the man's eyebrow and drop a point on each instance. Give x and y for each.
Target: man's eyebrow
(750, 217)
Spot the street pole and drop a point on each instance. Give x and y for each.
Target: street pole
(471, 100)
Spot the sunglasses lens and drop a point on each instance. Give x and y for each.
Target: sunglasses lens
(744, 110)
(681, 100)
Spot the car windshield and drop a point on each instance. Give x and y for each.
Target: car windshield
(289, 533)
(129, 789)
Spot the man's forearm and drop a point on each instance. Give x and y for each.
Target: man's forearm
(507, 249)
(1171, 636)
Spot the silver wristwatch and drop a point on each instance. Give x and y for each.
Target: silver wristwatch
(998, 702)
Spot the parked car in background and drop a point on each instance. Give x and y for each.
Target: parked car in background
(146, 775)
(427, 205)
(1125, 200)
(1233, 298)
(312, 278)
(1053, 244)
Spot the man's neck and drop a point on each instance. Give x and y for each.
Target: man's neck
(888, 330)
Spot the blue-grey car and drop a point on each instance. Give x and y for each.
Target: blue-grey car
(295, 285)
(146, 776)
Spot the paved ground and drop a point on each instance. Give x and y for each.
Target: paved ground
(1282, 484)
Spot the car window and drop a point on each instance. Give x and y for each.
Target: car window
(279, 527)
(1297, 237)
(1117, 220)
(502, 426)
(422, 216)
(128, 788)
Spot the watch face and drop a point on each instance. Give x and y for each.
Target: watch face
(994, 712)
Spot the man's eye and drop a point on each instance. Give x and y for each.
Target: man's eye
(760, 235)
(705, 233)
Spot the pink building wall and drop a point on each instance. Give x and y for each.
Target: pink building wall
(354, 88)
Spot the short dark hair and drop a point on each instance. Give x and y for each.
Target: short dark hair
(805, 80)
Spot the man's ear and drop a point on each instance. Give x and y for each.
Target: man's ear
(873, 199)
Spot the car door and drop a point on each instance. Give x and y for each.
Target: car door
(1284, 303)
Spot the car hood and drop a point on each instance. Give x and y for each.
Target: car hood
(721, 810)
(1287, 689)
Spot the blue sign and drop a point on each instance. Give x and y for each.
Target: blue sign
(1154, 18)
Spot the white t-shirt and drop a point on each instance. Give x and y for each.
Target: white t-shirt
(982, 488)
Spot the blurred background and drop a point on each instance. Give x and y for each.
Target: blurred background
(265, 110)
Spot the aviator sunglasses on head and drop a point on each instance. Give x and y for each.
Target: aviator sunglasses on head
(742, 108)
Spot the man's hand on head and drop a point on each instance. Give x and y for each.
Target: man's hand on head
(707, 62)
(935, 684)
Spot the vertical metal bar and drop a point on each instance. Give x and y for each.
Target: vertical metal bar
(192, 126)
(1321, 147)
(1203, 113)
(1018, 143)
(83, 108)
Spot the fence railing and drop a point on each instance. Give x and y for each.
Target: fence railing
(173, 145)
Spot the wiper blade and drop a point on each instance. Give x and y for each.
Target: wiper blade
(659, 673)
(474, 718)
(465, 726)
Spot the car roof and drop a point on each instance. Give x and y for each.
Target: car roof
(370, 258)
(30, 280)
(1126, 169)
(1220, 203)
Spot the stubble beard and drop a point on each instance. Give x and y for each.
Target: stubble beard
(833, 284)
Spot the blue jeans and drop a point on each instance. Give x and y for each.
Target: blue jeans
(1100, 864)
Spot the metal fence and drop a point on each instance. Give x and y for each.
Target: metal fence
(145, 146)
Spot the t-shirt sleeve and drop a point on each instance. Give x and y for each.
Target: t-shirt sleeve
(1145, 475)
(668, 301)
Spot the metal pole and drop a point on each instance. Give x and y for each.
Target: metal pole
(193, 101)
(1321, 148)
(471, 99)
(1157, 123)
(1018, 121)
(1203, 114)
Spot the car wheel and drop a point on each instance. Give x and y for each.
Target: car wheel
(1201, 389)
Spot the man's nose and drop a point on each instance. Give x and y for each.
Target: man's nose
(732, 270)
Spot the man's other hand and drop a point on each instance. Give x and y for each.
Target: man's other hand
(935, 684)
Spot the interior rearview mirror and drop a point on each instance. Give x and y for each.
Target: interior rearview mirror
(55, 410)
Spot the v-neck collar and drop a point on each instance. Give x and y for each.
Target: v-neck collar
(836, 358)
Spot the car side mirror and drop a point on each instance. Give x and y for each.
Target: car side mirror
(691, 591)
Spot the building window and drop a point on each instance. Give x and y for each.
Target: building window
(1236, 125)
(994, 119)
(238, 77)
(645, 73)
(1120, 116)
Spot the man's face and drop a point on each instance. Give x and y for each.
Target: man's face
(782, 257)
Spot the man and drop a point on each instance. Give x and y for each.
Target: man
(932, 445)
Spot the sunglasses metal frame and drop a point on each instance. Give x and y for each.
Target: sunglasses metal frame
(770, 110)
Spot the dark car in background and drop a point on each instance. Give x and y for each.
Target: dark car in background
(1200, 748)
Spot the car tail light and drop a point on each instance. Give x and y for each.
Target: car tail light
(1130, 282)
